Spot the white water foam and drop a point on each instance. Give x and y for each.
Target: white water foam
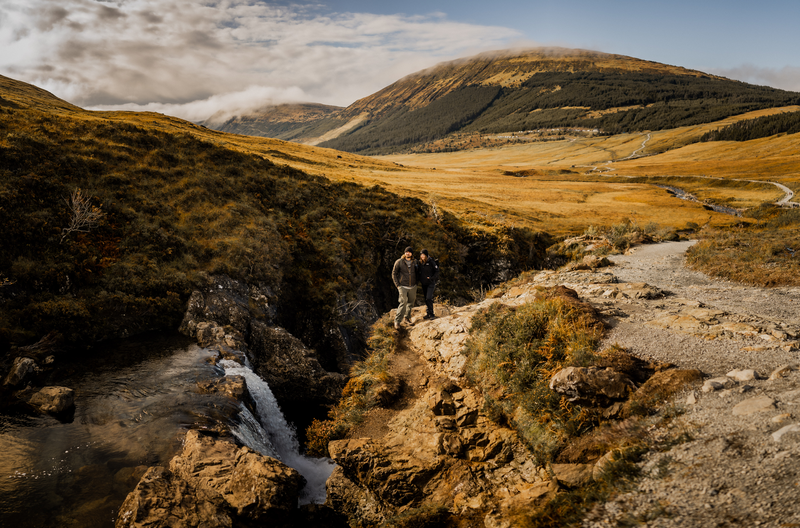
(276, 438)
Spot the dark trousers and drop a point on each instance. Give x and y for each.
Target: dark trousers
(427, 289)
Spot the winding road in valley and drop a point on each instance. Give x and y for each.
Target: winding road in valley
(783, 202)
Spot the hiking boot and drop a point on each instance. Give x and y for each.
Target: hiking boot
(397, 326)
(429, 317)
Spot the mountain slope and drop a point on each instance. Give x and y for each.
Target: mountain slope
(285, 121)
(180, 203)
(534, 89)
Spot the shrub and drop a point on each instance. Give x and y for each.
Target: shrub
(513, 353)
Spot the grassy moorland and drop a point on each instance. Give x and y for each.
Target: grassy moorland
(176, 203)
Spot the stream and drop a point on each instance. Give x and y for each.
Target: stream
(133, 402)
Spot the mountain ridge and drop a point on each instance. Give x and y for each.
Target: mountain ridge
(500, 91)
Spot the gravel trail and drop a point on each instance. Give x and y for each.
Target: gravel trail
(732, 455)
(662, 265)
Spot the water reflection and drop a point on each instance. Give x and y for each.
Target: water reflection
(131, 405)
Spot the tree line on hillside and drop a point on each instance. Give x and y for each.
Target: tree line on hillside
(549, 100)
(760, 127)
(402, 127)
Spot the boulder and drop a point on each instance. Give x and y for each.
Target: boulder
(228, 302)
(53, 400)
(165, 500)
(22, 368)
(591, 384)
(743, 375)
(292, 370)
(754, 405)
(212, 482)
(715, 384)
(257, 487)
(355, 502)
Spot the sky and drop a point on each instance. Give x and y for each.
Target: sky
(194, 58)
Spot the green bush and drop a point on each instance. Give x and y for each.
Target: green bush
(513, 353)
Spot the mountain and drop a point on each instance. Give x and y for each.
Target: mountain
(516, 90)
(283, 121)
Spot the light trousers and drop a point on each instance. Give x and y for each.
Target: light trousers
(406, 299)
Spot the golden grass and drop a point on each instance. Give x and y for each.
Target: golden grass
(562, 194)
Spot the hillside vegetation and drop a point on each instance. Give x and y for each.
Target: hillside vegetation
(760, 127)
(175, 208)
(521, 90)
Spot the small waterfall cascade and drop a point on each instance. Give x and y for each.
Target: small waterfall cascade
(270, 434)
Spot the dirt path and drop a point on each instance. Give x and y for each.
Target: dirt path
(412, 375)
(732, 456)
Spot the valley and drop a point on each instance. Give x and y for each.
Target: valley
(274, 257)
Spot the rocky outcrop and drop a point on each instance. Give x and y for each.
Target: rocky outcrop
(292, 369)
(22, 369)
(214, 483)
(54, 400)
(229, 303)
(442, 451)
(230, 316)
(597, 386)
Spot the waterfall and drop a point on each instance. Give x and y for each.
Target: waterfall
(270, 434)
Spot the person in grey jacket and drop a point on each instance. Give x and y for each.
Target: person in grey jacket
(404, 275)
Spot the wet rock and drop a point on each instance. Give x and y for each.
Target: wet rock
(22, 368)
(54, 400)
(591, 384)
(163, 499)
(209, 333)
(292, 370)
(234, 387)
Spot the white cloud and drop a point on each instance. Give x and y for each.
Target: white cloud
(786, 78)
(188, 57)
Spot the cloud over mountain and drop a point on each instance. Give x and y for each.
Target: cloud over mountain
(190, 58)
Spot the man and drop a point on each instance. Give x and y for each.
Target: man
(428, 271)
(404, 275)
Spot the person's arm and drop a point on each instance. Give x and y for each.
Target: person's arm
(435, 277)
(396, 274)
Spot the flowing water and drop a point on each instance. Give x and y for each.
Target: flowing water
(132, 405)
(276, 437)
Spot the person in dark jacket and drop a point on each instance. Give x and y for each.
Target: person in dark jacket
(428, 273)
(404, 275)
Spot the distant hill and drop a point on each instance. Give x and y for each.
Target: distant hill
(285, 121)
(526, 90)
